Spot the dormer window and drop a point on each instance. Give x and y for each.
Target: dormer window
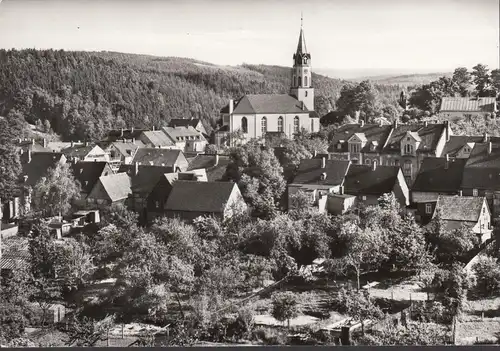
(355, 148)
(408, 149)
(339, 146)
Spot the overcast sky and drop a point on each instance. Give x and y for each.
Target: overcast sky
(420, 35)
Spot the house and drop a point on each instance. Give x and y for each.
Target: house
(159, 194)
(186, 138)
(410, 144)
(143, 179)
(403, 145)
(184, 122)
(214, 165)
(256, 115)
(122, 152)
(369, 183)
(110, 189)
(437, 176)
(460, 146)
(189, 200)
(85, 152)
(34, 167)
(161, 157)
(123, 134)
(318, 177)
(157, 138)
(467, 107)
(469, 211)
(88, 174)
(481, 176)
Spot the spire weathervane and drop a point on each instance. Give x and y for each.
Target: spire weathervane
(301, 19)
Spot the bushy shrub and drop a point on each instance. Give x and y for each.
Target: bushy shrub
(487, 273)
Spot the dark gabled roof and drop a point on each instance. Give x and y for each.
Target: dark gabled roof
(26, 145)
(183, 122)
(460, 208)
(429, 134)
(147, 177)
(192, 196)
(482, 170)
(78, 150)
(180, 133)
(310, 172)
(158, 138)
(116, 134)
(479, 156)
(214, 172)
(457, 142)
(88, 173)
(433, 176)
(158, 157)
(363, 180)
(267, 103)
(372, 133)
(117, 186)
(39, 165)
(468, 104)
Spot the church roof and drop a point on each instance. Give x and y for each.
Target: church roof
(301, 46)
(269, 103)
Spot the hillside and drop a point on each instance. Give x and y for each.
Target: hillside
(82, 94)
(406, 79)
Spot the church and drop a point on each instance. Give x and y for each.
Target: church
(286, 114)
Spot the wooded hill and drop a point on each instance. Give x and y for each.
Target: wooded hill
(82, 94)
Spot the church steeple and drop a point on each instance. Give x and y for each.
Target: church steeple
(301, 85)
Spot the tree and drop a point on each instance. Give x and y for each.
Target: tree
(13, 321)
(495, 81)
(482, 79)
(10, 164)
(284, 306)
(74, 263)
(54, 193)
(259, 176)
(463, 79)
(359, 98)
(487, 274)
(450, 287)
(357, 305)
(86, 332)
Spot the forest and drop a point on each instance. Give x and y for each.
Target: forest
(82, 94)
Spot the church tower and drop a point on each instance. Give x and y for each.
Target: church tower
(301, 86)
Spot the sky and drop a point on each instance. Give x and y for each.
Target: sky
(405, 35)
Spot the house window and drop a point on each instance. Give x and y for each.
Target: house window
(407, 168)
(428, 208)
(263, 125)
(354, 161)
(474, 192)
(408, 149)
(368, 161)
(355, 148)
(280, 124)
(363, 198)
(244, 125)
(157, 204)
(396, 163)
(296, 124)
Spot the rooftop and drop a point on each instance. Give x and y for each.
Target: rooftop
(460, 208)
(117, 186)
(267, 103)
(158, 138)
(468, 104)
(311, 172)
(372, 133)
(158, 157)
(435, 176)
(361, 179)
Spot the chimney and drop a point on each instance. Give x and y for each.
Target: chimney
(231, 106)
(174, 166)
(29, 156)
(132, 129)
(362, 123)
(460, 193)
(303, 106)
(86, 143)
(426, 123)
(489, 148)
(133, 140)
(341, 190)
(323, 162)
(153, 128)
(33, 141)
(448, 130)
(374, 165)
(44, 142)
(121, 133)
(395, 124)
(485, 137)
(136, 168)
(216, 160)
(315, 153)
(447, 162)
(72, 143)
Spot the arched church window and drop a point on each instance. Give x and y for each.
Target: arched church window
(305, 81)
(306, 93)
(296, 123)
(312, 122)
(244, 125)
(295, 81)
(280, 124)
(300, 81)
(263, 125)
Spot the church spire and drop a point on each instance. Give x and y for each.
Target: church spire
(301, 46)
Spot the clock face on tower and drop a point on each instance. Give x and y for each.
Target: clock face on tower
(305, 71)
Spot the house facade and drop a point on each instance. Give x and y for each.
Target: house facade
(85, 152)
(186, 138)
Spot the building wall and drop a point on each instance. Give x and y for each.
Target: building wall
(401, 191)
(315, 188)
(97, 154)
(235, 203)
